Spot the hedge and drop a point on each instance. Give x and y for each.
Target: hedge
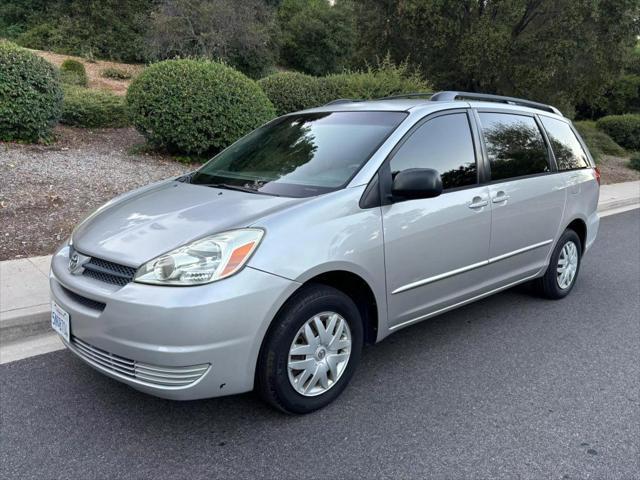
(72, 72)
(292, 91)
(634, 161)
(93, 109)
(599, 142)
(30, 95)
(196, 106)
(624, 129)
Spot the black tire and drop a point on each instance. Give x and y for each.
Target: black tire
(547, 285)
(272, 376)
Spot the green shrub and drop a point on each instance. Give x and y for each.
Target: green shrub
(196, 106)
(634, 161)
(93, 108)
(375, 82)
(30, 95)
(292, 91)
(116, 73)
(72, 72)
(624, 129)
(599, 142)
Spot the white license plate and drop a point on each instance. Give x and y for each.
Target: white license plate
(60, 321)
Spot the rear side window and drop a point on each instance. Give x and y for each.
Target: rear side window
(444, 144)
(515, 146)
(566, 147)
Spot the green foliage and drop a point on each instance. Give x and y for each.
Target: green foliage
(598, 142)
(239, 33)
(72, 72)
(196, 106)
(634, 161)
(554, 51)
(375, 82)
(624, 129)
(292, 91)
(115, 73)
(87, 108)
(317, 38)
(30, 95)
(103, 28)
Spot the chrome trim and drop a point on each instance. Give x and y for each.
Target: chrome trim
(473, 266)
(138, 373)
(464, 302)
(519, 251)
(441, 276)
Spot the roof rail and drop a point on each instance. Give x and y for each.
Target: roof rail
(449, 96)
(406, 95)
(342, 100)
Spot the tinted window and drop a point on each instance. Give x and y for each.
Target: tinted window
(444, 144)
(514, 145)
(300, 155)
(566, 147)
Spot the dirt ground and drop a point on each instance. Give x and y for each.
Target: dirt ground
(46, 190)
(94, 71)
(615, 170)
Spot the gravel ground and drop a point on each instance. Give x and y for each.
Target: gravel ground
(616, 170)
(47, 190)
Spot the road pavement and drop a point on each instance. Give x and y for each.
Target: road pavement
(513, 386)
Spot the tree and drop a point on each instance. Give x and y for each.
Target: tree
(317, 37)
(557, 51)
(236, 31)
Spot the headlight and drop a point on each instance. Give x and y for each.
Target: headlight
(203, 261)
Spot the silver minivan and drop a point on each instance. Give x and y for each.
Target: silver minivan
(274, 263)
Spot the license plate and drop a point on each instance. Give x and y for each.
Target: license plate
(60, 321)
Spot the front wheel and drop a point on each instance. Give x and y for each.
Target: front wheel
(564, 265)
(311, 352)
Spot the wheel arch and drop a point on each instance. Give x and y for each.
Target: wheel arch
(579, 226)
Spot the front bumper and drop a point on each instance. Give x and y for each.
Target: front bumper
(181, 343)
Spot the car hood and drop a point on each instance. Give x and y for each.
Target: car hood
(143, 224)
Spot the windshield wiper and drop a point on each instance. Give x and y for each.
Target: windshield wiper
(232, 187)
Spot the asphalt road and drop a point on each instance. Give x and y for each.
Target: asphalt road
(511, 387)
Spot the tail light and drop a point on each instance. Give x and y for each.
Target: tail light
(597, 172)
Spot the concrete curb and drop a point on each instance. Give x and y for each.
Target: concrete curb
(25, 302)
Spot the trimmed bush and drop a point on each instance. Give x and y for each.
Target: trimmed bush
(292, 91)
(116, 73)
(30, 95)
(599, 142)
(376, 82)
(72, 72)
(624, 129)
(93, 108)
(634, 161)
(196, 106)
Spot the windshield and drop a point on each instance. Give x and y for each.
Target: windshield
(300, 155)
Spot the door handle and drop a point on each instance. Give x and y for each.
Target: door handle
(500, 197)
(477, 202)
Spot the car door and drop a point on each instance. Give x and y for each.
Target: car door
(527, 196)
(435, 248)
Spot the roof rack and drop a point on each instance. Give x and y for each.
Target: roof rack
(407, 95)
(342, 100)
(450, 96)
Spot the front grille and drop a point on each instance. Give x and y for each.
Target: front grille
(87, 302)
(109, 272)
(144, 373)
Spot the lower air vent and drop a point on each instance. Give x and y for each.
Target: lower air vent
(87, 302)
(143, 373)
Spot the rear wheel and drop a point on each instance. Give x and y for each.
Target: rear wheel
(311, 352)
(564, 265)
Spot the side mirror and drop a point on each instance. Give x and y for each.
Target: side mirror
(417, 183)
